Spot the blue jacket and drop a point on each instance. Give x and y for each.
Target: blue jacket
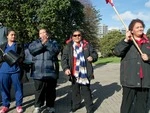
(45, 59)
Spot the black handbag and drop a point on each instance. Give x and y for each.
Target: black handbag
(11, 57)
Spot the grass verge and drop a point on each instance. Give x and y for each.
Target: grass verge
(107, 60)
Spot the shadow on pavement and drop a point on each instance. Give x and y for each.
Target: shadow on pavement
(25, 105)
(64, 101)
(100, 93)
(62, 78)
(28, 104)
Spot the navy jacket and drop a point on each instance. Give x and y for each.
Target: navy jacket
(45, 59)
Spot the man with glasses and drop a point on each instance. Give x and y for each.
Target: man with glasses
(76, 61)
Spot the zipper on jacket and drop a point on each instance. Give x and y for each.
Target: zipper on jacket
(42, 69)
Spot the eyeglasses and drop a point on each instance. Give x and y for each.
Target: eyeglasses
(77, 35)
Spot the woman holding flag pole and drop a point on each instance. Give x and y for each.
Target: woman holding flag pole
(135, 66)
(135, 69)
(112, 4)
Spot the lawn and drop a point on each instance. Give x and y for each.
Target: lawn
(107, 60)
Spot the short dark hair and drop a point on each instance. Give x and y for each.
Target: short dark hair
(134, 21)
(9, 30)
(77, 30)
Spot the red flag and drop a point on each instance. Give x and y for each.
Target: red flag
(110, 1)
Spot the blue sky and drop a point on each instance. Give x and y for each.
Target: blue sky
(128, 10)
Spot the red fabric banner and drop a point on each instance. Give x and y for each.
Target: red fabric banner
(110, 1)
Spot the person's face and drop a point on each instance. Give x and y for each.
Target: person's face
(138, 29)
(43, 34)
(76, 37)
(11, 36)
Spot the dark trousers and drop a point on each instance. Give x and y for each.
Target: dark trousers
(135, 100)
(45, 90)
(84, 90)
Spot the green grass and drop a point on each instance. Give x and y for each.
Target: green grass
(107, 60)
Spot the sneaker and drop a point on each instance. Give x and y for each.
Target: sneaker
(4, 109)
(19, 109)
(37, 110)
(51, 110)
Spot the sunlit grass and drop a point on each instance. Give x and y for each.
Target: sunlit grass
(107, 60)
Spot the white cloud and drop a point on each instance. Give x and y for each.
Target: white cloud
(128, 15)
(147, 4)
(113, 28)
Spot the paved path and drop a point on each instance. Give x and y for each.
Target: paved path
(105, 88)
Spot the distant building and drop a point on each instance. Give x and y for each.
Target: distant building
(103, 29)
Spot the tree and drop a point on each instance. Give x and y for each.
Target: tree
(108, 42)
(27, 16)
(60, 17)
(91, 23)
(148, 33)
(20, 15)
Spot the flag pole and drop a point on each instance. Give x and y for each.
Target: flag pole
(120, 18)
(124, 25)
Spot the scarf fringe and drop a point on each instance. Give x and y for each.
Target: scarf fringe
(83, 81)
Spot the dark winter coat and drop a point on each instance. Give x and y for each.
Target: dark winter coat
(67, 57)
(131, 62)
(45, 59)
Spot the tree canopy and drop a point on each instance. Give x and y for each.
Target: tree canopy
(60, 17)
(108, 42)
(91, 24)
(20, 15)
(148, 33)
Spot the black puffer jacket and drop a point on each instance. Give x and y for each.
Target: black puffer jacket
(130, 64)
